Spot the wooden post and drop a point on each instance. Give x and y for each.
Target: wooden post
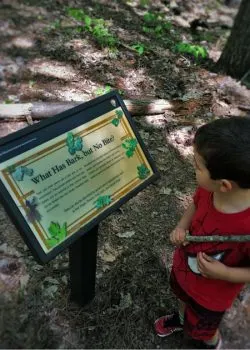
(82, 267)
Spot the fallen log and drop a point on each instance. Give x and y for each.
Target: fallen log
(40, 110)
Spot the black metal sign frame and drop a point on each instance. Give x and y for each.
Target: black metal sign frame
(37, 134)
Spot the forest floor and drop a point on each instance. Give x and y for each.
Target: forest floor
(48, 54)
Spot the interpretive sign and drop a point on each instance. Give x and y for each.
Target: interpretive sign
(69, 172)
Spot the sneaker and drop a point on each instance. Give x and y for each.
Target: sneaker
(166, 325)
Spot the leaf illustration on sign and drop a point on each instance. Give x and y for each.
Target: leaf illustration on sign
(11, 169)
(130, 146)
(57, 233)
(33, 214)
(19, 172)
(119, 115)
(103, 201)
(74, 143)
(143, 171)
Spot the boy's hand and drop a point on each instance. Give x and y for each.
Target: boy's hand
(210, 267)
(177, 236)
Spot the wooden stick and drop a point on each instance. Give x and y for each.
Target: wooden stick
(39, 110)
(233, 238)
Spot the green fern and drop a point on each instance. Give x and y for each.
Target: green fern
(197, 51)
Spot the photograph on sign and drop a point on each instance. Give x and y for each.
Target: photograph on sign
(63, 184)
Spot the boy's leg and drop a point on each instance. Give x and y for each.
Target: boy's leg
(182, 306)
(199, 323)
(171, 323)
(202, 325)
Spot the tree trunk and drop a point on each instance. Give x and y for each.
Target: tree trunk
(235, 58)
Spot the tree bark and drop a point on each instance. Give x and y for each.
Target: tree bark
(235, 58)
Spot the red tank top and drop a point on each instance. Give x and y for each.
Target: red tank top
(216, 295)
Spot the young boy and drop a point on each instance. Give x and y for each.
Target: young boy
(206, 277)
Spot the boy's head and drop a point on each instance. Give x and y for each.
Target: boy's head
(222, 154)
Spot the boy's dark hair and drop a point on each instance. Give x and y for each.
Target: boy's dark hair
(224, 144)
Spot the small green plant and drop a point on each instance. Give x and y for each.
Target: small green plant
(103, 201)
(144, 3)
(140, 48)
(196, 51)
(113, 52)
(101, 91)
(57, 233)
(78, 14)
(121, 92)
(96, 26)
(150, 17)
(156, 24)
(8, 101)
(56, 24)
(130, 146)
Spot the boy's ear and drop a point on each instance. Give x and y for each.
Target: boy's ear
(226, 185)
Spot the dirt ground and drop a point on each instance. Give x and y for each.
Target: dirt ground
(46, 57)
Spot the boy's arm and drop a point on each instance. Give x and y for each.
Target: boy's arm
(211, 268)
(238, 275)
(177, 236)
(186, 219)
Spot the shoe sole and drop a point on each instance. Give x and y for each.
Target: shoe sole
(167, 335)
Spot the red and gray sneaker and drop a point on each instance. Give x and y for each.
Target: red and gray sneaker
(166, 325)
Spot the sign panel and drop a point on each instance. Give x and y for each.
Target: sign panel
(68, 173)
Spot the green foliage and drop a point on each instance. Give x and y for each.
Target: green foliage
(77, 14)
(121, 92)
(119, 115)
(104, 90)
(53, 26)
(144, 3)
(156, 24)
(101, 91)
(95, 26)
(140, 48)
(56, 24)
(113, 52)
(150, 17)
(143, 171)
(197, 51)
(57, 233)
(74, 143)
(102, 34)
(103, 201)
(130, 146)
(8, 101)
